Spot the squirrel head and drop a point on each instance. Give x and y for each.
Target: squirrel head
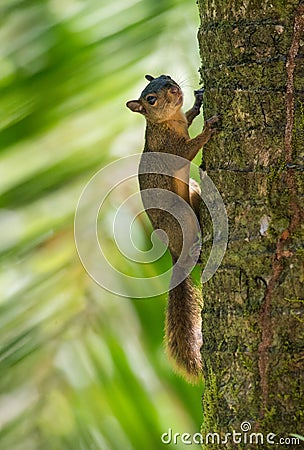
(161, 99)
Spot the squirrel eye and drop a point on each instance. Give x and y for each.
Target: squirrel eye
(151, 99)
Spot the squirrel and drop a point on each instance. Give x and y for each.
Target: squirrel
(167, 132)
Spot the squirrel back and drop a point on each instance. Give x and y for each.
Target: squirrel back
(167, 132)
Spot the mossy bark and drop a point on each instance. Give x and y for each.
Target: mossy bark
(253, 73)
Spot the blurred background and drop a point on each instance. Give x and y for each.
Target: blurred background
(81, 368)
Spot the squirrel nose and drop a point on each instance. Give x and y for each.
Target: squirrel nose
(174, 89)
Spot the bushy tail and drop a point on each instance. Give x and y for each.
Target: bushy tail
(183, 329)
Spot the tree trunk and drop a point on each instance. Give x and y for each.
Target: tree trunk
(253, 72)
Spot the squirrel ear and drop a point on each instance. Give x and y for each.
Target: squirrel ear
(135, 106)
(149, 77)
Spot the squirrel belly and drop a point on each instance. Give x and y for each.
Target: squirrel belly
(167, 133)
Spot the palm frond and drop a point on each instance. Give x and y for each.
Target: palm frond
(80, 368)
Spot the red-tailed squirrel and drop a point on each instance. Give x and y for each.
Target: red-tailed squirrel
(167, 132)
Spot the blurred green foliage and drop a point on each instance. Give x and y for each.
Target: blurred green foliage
(80, 368)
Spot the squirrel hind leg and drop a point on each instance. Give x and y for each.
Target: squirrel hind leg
(195, 196)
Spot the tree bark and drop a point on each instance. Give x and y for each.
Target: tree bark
(253, 73)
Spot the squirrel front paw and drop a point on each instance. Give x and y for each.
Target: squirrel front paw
(210, 123)
(198, 94)
(210, 128)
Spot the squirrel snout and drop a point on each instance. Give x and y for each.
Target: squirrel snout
(175, 90)
(177, 95)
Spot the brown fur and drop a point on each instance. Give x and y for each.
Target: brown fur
(167, 132)
(183, 335)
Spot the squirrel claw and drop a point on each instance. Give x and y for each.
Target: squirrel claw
(198, 94)
(212, 121)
